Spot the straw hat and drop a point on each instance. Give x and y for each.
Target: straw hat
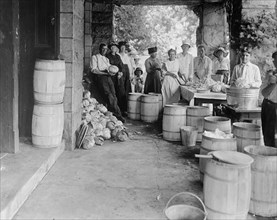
(185, 42)
(225, 53)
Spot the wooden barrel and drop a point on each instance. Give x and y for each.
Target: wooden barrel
(209, 144)
(174, 117)
(264, 180)
(134, 106)
(160, 100)
(149, 108)
(216, 122)
(47, 125)
(227, 187)
(195, 117)
(49, 81)
(243, 98)
(246, 134)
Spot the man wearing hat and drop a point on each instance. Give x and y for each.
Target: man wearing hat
(269, 105)
(246, 74)
(153, 69)
(222, 64)
(99, 65)
(186, 62)
(203, 65)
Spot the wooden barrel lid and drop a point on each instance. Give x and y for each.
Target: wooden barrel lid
(233, 157)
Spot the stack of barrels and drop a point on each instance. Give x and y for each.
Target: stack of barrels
(145, 107)
(48, 112)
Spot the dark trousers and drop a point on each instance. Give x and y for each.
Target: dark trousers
(106, 86)
(269, 120)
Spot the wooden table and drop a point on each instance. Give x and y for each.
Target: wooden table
(196, 98)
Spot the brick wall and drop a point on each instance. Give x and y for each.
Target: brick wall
(88, 38)
(72, 48)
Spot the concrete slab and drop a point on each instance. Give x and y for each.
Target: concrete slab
(21, 173)
(120, 180)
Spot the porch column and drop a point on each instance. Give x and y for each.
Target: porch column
(215, 27)
(72, 48)
(9, 53)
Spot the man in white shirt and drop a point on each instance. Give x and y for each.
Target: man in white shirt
(246, 74)
(99, 66)
(203, 65)
(269, 105)
(186, 62)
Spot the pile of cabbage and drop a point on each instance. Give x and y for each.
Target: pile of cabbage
(102, 124)
(209, 83)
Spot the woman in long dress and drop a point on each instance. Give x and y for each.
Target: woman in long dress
(153, 69)
(124, 82)
(171, 83)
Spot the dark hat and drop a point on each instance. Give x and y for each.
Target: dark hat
(225, 53)
(152, 50)
(246, 50)
(112, 43)
(274, 54)
(138, 69)
(122, 43)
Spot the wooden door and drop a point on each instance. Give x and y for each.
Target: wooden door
(38, 38)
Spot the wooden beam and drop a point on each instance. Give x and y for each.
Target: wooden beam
(150, 2)
(9, 53)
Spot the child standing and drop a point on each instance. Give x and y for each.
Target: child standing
(137, 81)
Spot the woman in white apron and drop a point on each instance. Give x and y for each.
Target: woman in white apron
(171, 82)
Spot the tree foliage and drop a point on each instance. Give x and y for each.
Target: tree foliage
(162, 26)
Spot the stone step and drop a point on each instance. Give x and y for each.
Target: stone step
(21, 173)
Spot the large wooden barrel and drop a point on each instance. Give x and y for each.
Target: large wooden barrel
(174, 117)
(149, 108)
(195, 117)
(47, 125)
(216, 122)
(134, 106)
(227, 186)
(246, 134)
(209, 144)
(264, 180)
(49, 81)
(243, 98)
(160, 100)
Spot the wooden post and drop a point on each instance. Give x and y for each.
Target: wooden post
(9, 53)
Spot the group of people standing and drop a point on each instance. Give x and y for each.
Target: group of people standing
(115, 88)
(166, 78)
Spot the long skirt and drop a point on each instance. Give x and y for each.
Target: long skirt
(170, 90)
(153, 82)
(123, 89)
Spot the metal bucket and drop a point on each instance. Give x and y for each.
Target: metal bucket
(243, 98)
(184, 211)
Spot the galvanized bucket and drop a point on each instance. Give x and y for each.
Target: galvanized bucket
(184, 211)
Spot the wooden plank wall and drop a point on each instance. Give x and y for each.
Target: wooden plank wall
(9, 53)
